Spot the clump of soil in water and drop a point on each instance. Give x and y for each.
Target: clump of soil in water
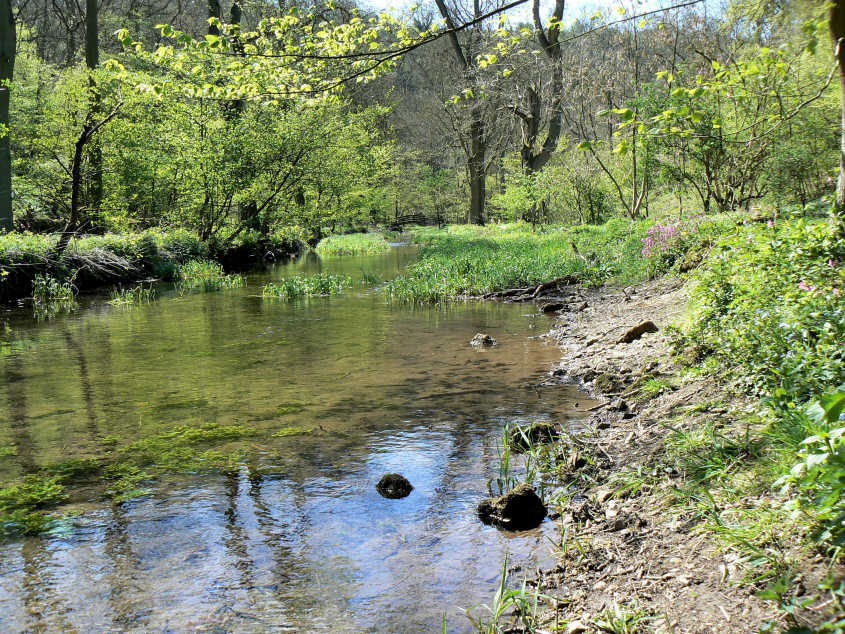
(519, 509)
(394, 486)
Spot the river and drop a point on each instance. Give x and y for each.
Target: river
(295, 536)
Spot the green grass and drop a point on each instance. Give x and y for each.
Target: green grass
(51, 297)
(322, 284)
(205, 275)
(354, 244)
(133, 296)
(462, 260)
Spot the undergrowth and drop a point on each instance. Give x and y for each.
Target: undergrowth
(462, 260)
(767, 314)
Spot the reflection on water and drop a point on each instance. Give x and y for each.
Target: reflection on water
(296, 537)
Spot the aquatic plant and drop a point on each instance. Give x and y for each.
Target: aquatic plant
(21, 503)
(133, 296)
(368, 278)
(504, 481)
(354, 244)
(322, 284)
(205, 275)
(292, 431)
(520, 604)
(50, 296)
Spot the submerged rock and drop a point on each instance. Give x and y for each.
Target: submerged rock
(543, 432)
(638, 331)
(482, 339)
(519, 509)
(394, 486)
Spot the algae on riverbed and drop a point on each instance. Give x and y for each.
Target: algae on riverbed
(122, 472)
(21, 503)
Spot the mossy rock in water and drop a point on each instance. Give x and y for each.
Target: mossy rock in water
(482, 340)
(516, 510)
(394, 486)
(540, 433)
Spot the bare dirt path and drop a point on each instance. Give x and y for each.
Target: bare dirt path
(633, 552)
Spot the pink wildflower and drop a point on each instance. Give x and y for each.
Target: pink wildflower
(771, 224)
(832, 263)
(804, 286)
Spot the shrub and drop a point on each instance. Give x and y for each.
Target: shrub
(819, 475)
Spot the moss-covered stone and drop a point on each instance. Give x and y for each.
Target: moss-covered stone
(519, 509)
(607, 383)
(539, 433)
(394, 486)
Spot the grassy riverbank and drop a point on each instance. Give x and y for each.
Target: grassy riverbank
(120, 258)
(723, 488)
(471, 261)
(354, 244)
(462, 261)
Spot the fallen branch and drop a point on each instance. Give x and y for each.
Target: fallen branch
(533, 292)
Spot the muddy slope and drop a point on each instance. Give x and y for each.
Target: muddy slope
(634, 549)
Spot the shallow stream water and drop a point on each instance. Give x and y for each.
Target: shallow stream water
(296, 538)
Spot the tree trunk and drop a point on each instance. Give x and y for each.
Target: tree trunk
(477, 173)
(477, 148)
(92, 60)
(214, 11)
(837, 30)
(92, 35)
(75, 223)
(7, 67)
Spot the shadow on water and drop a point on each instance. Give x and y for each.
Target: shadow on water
(295, 535)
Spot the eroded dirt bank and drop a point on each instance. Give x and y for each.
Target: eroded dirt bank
(628, 548)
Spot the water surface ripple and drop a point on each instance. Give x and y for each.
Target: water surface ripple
(296, 537)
